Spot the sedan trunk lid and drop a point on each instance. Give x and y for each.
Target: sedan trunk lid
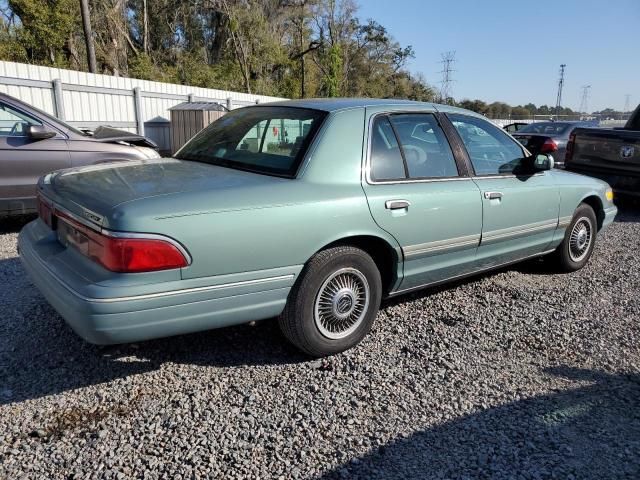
(95, 192)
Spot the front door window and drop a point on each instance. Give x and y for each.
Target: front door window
(14, 123)
(492, 152)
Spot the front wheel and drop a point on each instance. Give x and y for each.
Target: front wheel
(334, 302)
(579, 239)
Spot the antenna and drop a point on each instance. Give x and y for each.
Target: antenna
(585, 99)
(627, 103)
(560, 85)
(448, 59)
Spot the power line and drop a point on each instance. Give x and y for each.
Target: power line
(627, 103)
(448, 59)
(585, 99)
(560, 85)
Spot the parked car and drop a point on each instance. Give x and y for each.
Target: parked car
(548, 137)
(514, 127)
(610, 154)
(243, 226)
(33, 143)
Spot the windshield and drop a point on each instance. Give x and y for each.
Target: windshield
(549, 128)
(268, 140)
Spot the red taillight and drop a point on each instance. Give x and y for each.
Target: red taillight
(549, 146)
(136, 254)
(45, 211)
(120, 253)
(568, 155)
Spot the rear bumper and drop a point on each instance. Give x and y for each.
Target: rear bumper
(154, 311)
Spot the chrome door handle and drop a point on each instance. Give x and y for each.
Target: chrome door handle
(492, 195)
(396, 204)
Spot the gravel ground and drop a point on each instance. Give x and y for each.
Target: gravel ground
(520, 374)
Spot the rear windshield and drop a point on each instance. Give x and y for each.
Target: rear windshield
(549, 128)
(268, 140)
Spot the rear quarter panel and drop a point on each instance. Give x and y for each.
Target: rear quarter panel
(260, 228)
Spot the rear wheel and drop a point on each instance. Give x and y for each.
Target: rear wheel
(579, 239)
(334, 302)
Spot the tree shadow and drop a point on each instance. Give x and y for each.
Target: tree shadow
(589, 432)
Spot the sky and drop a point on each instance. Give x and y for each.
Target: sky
(511, 51)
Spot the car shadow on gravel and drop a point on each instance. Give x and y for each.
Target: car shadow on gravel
(14, 224)
(40, 355)
(534, 266)
(588, 432)
(45, 357)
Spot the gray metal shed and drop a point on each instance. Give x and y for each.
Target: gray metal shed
(158, 129)
(188, 118)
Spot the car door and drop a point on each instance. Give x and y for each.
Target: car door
(519, 206)
(419, 192)
(24, 159)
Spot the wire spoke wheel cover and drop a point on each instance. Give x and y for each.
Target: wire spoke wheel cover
(341, 303)
(580, 239)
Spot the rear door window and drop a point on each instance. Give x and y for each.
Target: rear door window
(424, 145)
(386, 159)
(410, 146)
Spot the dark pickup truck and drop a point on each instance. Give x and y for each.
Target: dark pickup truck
(612, 155)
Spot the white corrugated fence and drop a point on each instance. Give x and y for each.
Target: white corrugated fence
(86, 100)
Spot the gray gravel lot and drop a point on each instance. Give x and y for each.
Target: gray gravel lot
(520, 374)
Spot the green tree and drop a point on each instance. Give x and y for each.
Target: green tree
(520, 112)
(333, 73)
(287, 48)
(49, 32)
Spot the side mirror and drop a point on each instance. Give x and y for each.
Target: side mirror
(542, 162)
(39, 132)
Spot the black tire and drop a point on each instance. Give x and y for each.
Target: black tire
(568, 257)
(303, 326)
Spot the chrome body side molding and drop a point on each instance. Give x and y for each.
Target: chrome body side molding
(440, 246)
(519, 231)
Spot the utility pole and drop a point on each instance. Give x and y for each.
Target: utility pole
(560, 85)
(448, 59)
(585, 99)
(88, 35)
(627, 103)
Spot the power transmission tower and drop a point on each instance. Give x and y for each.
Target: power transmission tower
(560, 85)
(585, 99)
(627, 103)
(448, 59)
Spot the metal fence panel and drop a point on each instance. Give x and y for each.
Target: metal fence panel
(89, 100)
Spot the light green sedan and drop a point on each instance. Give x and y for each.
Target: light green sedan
(311, 211)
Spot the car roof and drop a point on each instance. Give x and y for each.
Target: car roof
(334, 104)
(337, 104)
